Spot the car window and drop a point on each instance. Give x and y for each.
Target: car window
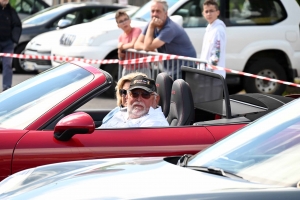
(37, 7)
(255, 12)
(89, 13)
(74, 17)
(46, 14)
(143, 14)
(24, 6)
(43, 92)
(28, 6)
(191, 13)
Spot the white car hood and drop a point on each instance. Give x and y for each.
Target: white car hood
(99, 27)
(45, 41)
(124, 179)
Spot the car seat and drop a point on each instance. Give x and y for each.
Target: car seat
(182, 105)
(164, 86)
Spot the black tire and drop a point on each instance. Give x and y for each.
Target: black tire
(113, 70)
(18, 63)
(266, 67)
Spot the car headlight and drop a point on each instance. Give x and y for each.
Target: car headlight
(14, 181)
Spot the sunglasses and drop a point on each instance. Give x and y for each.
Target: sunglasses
(123, 92)
(144, 94)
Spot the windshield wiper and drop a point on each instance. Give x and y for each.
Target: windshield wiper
(183, 160)
(216, 171)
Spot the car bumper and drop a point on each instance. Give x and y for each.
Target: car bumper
(37, 64)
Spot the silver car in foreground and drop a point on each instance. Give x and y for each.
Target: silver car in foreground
(260, 161)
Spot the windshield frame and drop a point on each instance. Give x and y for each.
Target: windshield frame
(266, 136)
(24, 103)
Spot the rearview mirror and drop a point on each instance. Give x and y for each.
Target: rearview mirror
(63, 23)
(177, 19)
(76, 123)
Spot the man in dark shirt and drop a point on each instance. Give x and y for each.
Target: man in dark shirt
(10, 32)
(166, 36)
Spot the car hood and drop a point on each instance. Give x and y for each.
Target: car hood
(122, 179)
(99, 27)
(45, 41)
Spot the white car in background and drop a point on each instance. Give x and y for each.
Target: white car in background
(262, 38)
(42, 44)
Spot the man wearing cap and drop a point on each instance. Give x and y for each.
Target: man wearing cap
(139, 113)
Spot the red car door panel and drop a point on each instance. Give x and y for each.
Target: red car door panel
(220, 132)
(9, 139)
(40, 147)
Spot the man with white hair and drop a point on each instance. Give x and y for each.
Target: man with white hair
(166, 36)
(142, 97)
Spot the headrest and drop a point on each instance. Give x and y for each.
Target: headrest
(164, 86)
(182, 105)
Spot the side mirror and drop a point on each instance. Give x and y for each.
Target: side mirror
(177, 19)
(63, 23)
(76, 123)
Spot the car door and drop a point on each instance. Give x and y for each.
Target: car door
(40, 147)
(257, 22)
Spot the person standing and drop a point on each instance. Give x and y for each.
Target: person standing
(166, 36)
(126, 41)
(214, 41)
(10, 32)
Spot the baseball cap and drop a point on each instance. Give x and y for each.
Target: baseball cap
(141, 82)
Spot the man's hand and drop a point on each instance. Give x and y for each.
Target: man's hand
(121, 55)
(120, 46)
(156, 22)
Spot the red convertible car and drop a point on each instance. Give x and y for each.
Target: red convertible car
(41, 123)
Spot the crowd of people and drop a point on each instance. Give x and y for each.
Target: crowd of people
(165, 36)
(137, 98)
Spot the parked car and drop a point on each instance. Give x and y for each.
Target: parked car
(58, 16)
(42, 44)
(260, 161)
(42, 121)
(25, 8)
(263, 40)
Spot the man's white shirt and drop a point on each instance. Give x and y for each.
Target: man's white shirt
(154, 117)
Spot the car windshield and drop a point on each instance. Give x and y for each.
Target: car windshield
(143, 13)
(266, 151)
(27, 101)
(46, 14)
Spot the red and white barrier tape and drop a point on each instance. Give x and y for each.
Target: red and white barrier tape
(254, 76)
(141, 60)
(90, 61)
